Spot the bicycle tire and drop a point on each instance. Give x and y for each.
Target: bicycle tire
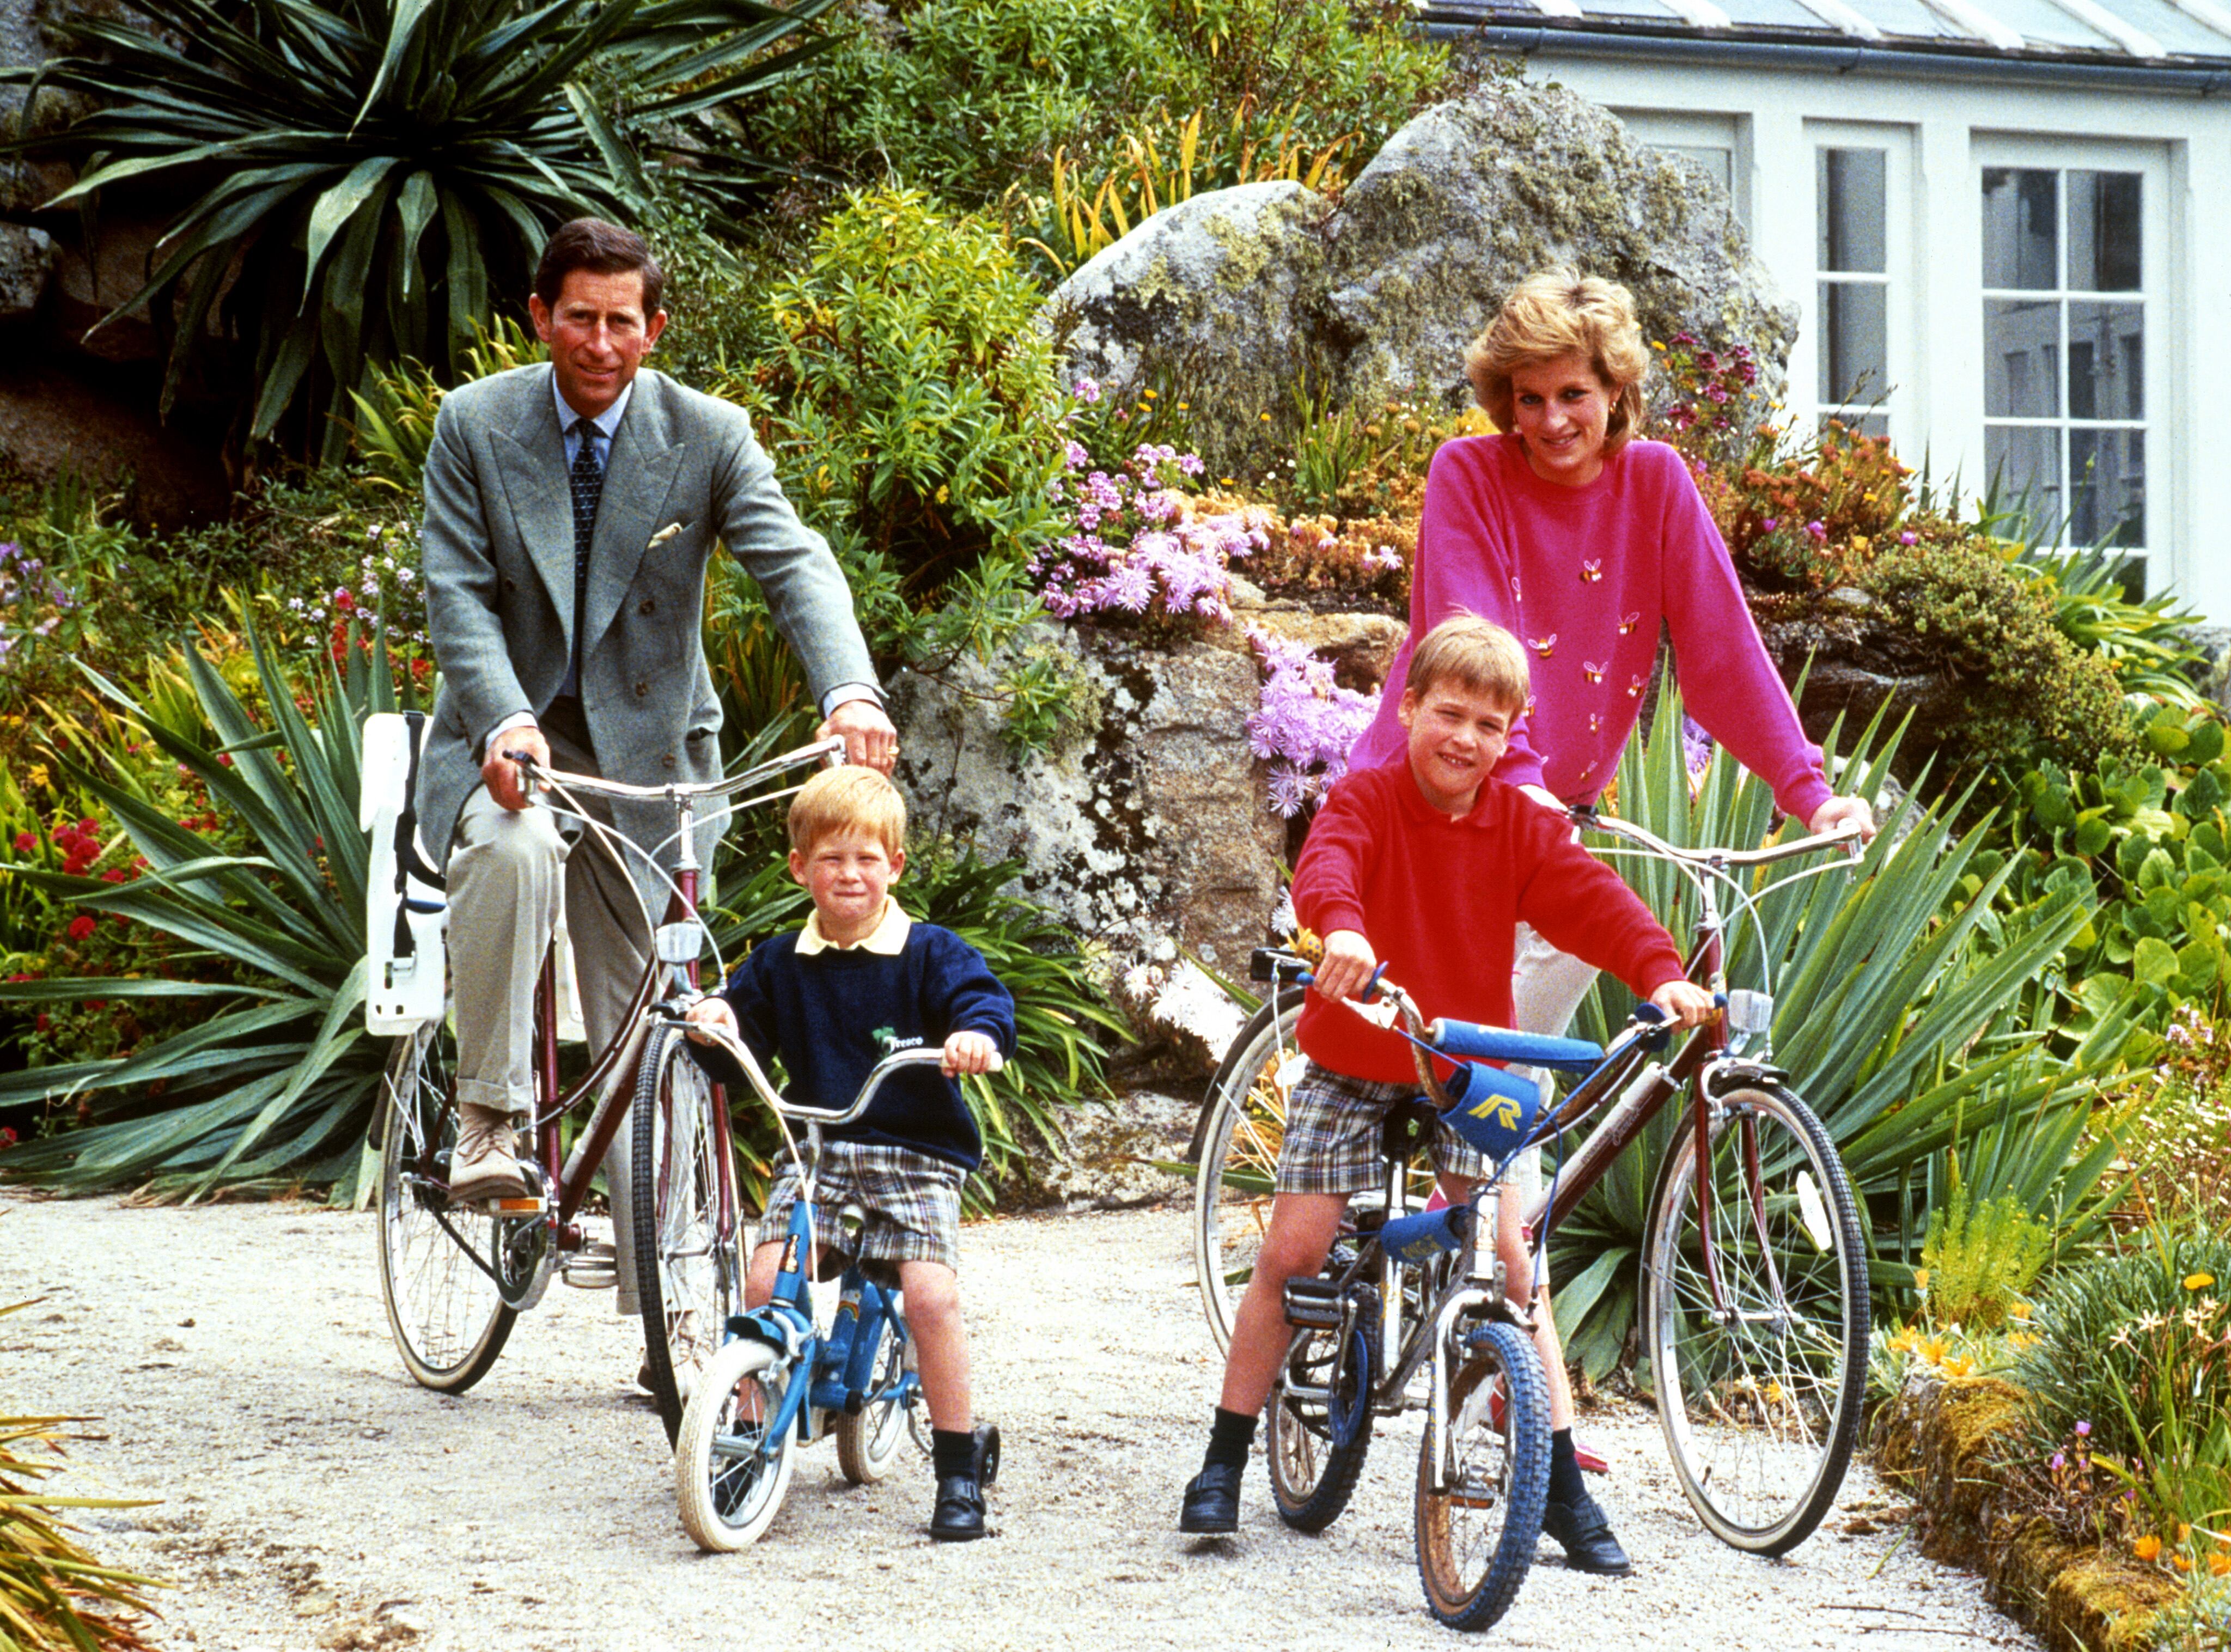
(727, 1489)
(1243, 1124)
(1760, 1415)
(867, 1440)
(1313, 1468)
(445, 1310)
(688, 1272)
(1476, 1537)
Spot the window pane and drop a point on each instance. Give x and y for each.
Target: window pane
(1858, 424)
(2021, 358)
(1854, 343)
(2106, 360)
(1718, 163)
(2021, 235)
(2104, 251)
(1849, 193)
(2024, 472)
(2107, 478)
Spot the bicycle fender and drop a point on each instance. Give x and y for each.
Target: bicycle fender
(776, 1325)
(1722, 1076)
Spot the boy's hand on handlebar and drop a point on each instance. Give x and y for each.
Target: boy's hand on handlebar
(967, 1052)
(1689, 1004)
(1837, 810)
(1346, 968)
(504, 782)
(711, 1012)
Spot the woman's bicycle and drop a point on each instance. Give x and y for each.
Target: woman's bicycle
(779, 1382)
(1754, 1267)
(457, 1275)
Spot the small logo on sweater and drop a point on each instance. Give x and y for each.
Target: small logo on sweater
(889, 1042)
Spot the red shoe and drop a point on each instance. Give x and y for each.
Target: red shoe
(1590, 1460)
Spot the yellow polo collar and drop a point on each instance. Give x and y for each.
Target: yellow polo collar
(889, 938)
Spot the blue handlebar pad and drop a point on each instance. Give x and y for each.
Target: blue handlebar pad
(1495, 1110)
(1420, 1238)
(1501, 1044)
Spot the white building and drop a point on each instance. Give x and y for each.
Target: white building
(2008, 223)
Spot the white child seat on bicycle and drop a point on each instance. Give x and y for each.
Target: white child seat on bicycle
(406, 909)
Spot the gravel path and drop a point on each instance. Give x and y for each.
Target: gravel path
(315, 1497)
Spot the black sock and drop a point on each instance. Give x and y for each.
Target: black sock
(1229, 1436)
(952, 1451)
(1566, 1485)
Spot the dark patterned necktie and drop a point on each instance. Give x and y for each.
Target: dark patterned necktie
(587, 481)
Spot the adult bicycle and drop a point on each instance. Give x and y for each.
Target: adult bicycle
(456, 1274)
(1753, 1270)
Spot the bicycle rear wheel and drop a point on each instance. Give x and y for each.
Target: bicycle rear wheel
(1758, 1380)
(689, 1270)
(1316, 1447)
(447, 1316)
(728, 1477)
(1476, 1535)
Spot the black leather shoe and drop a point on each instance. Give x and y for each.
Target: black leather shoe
(1212, 1501)
(959, 1516)
(1584, 1531)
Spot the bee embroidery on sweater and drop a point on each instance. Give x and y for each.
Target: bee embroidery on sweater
(1591, 572)
(1545, 646)
(1515, 597)
(1596, 722)
(1627, 622)
(1634, 688)
(1591, 670)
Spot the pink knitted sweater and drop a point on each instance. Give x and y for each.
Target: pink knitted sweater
(1583, 576)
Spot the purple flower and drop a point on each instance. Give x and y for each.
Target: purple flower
(1817, 530)
(1908, 538)
(2059, 1461)
(2082, 1431)
(1075, 454)
(1087, 391)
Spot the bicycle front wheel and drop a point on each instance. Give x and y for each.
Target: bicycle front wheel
(436, 1260)
(1755, 1302)
(1476, 1532)
(730, 1476)
(689, 1270)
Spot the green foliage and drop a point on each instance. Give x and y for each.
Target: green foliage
(2148, 645)
(909, 409)
(2151, 836)
(395, 412)
(1979, 1259)
(361, 179)
(2130, 1347)
(1901, 1025)
(275, 1084)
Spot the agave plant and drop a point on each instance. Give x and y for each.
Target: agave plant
(1900, 1017)
(278, 1084)
(365, 179)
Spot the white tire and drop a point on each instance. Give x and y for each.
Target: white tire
(730, 1490)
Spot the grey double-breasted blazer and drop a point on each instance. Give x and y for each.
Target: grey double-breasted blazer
(498, 553)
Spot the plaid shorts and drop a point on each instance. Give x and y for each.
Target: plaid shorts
(912, 1201)
(1332, 1143)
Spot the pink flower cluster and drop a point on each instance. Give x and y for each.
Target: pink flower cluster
(1306, 724)
(1138, 548)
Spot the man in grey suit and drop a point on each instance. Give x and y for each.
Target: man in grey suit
(571, 511)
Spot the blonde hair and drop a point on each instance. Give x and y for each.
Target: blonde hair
(1559, 312)
(1477, 653)
(849, 799)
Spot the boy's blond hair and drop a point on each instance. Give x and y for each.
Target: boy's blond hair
(849, 799)
(1475, 652)
(1558, 312)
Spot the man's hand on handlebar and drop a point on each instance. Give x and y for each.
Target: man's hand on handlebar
(1688, 1004)
(869, 736)
(1346, 968)
(713, 1013)
(967, 1052)
(502, 776)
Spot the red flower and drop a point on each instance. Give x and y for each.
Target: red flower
(80, 927)
(114, 875)
(343, 601)
(25, 842)
(225, 757)
(123, 920)
(7, 1136)
(96, 1003)
(76, 865)
(85, 826)
(41, 1023)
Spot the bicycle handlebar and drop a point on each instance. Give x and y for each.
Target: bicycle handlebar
(930, 1055)
(540, 774)
(1846, 836)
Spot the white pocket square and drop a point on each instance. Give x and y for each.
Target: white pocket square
(663, 536)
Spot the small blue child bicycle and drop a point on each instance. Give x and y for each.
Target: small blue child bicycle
(778, 1383)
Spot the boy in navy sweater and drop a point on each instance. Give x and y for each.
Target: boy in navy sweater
(862, 979)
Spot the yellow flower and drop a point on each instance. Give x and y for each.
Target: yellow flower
(2147, 1546)
(2219, 1563)
(1960, 1365)
(2198, 1281)
(2183, 1532)
(1933, 1351)
(36, 774)
(1921, 1279)
(2182, 1563)
(2018, 1310)
(1148, 394)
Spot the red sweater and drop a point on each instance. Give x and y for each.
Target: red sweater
(1438, 900)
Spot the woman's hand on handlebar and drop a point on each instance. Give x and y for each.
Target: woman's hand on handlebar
(967, 1052)
(504, 782)
(1346, 969)
(712, 1012)
(1838, 810)
(1688, 1004)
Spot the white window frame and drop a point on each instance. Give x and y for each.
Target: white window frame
(1991, 151)
(1894, 400)
(1683, 129)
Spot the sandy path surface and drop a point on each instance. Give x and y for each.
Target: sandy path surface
(315, 1497)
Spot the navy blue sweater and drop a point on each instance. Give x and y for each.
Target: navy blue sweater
(833, 1014)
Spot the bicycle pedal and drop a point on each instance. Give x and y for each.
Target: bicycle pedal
(1313, 1305)
(1473, 1492)
(595, 1267)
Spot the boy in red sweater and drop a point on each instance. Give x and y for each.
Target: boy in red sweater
(1427, 865)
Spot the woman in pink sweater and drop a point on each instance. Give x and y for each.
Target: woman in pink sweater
(1581, 539)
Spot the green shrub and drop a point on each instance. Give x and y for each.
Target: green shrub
(1979, 1257)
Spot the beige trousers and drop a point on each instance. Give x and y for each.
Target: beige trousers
(507, 871)
(1546, 987)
